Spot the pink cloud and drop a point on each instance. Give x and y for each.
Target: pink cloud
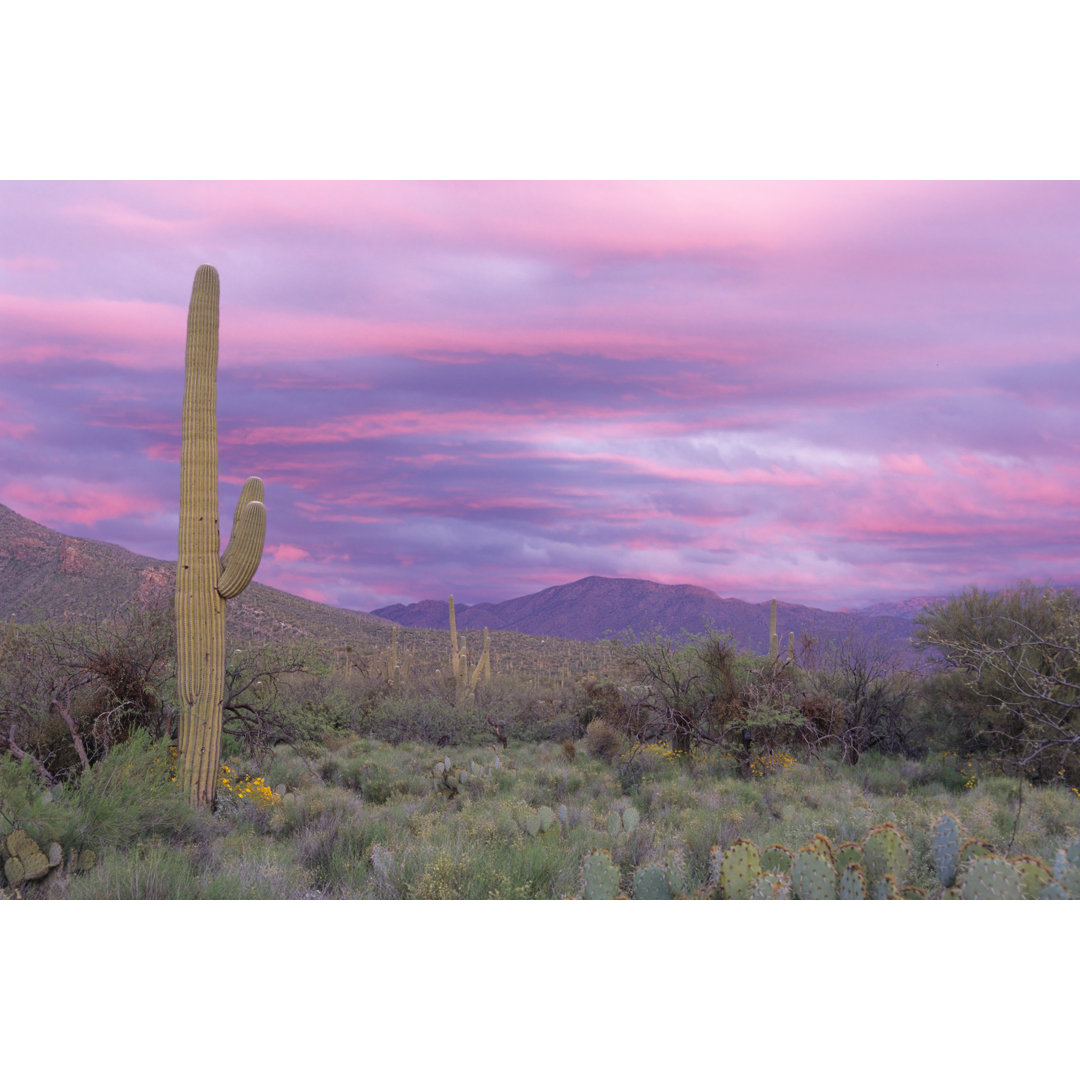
(82, 504)
(287, 553)
(907, 464)
(129, 333)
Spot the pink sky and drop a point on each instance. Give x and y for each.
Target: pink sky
(831, 393)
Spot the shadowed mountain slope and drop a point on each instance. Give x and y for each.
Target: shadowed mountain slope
(47, 575)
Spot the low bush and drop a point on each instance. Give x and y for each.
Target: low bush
(603, 740)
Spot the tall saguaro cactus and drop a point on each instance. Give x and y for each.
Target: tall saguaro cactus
(205, 576)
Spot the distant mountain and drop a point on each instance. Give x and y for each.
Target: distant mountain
(904, 609)
(598, 607)
(47, 575)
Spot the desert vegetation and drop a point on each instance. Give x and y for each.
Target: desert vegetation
(646, 767)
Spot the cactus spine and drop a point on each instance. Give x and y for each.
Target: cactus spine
(205, 576)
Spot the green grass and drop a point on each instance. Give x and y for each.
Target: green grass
(360, 819)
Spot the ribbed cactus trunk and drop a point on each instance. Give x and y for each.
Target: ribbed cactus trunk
(205, 577)
(454, 659)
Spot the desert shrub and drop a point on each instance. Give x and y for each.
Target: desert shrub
(861, 696)
(376, 782)
(332, 848)
(131, 794)
(144, 871)
(128, 795)
(398, 719)
(281, 695)
(71, 691)
(1017, 653)
(701, 690)
(604, 741)
(605, 701)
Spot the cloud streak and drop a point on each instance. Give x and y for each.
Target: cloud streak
(831, 393)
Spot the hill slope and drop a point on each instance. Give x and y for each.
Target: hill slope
(47, 575)
(598, 607)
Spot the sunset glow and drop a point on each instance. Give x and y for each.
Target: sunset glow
(830, 393)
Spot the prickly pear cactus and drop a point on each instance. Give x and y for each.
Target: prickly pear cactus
(772, 885)
(650, 883)
(1055, 891)
(851, 884)
(1034, 875)
(740, 866)
(945, 839)
(885, 851)
(886, 888)
(1069, 878)
(845, 854)
(622, 820)
(969, 851)
(777, 858)
(991, 878)
(813, 876)
(822, 844)
(535, 822)
(1072, 853)
(675, 867)
(599, 876)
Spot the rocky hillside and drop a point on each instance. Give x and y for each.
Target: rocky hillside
(47, 575)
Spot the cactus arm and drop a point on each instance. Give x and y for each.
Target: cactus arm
(242, 556)
(481, 663)
(252, 491)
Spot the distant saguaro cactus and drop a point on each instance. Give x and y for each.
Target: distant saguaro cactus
(454, 658)
(205, 576)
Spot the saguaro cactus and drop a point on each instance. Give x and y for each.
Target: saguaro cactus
(455, 660)
(205, 576)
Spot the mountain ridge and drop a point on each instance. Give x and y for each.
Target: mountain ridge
(596, 607)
